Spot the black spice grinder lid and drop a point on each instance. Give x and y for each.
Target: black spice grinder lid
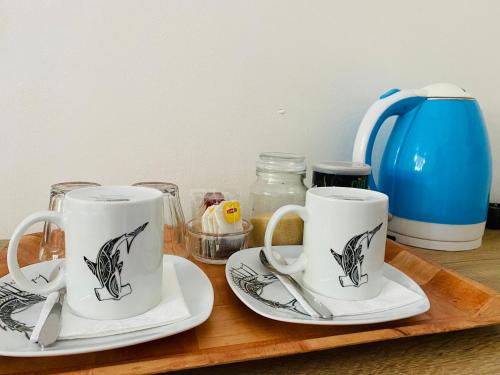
(493, 221)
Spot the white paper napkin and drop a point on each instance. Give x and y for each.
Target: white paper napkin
(392, 296)
(171, 309)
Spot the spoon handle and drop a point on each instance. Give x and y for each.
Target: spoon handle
(316, 305)
(310, 298)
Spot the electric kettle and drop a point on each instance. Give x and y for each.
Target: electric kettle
(435, 168)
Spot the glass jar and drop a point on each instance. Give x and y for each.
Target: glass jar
(280, 181)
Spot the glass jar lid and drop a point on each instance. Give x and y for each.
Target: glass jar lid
(342, 168)
(281, 162)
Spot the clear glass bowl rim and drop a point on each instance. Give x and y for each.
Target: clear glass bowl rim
(190, 230)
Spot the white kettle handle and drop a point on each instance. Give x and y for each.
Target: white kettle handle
(394, 102)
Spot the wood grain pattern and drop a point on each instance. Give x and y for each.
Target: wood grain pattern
(456, 303)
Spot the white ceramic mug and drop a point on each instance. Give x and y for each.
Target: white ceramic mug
(344, 241)
(114, 251)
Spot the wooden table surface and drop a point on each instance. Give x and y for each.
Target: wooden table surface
(474, 351)
(471, 351)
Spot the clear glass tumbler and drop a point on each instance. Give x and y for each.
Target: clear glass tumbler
(174, 237)
(52, 245)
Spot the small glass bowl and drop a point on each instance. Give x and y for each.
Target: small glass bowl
(215, 248)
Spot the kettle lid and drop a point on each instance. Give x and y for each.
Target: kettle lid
(445, 90)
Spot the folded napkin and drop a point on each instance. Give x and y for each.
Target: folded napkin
(171, 309)
(392, 296)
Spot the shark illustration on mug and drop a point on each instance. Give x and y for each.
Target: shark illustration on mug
(351, 258)
(108, 266)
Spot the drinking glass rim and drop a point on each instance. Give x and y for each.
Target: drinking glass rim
(164, 187)
(67, 186)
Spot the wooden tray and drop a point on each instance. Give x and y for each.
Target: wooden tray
(234, 333)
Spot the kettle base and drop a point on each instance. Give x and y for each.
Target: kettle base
(435, 236)
(436, 245)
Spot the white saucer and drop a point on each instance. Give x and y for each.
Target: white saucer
(196, 288)
(278, 304)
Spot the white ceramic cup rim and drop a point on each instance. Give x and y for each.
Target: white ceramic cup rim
(325, 193)
(145, 194)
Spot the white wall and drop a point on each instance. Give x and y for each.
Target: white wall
(191, 91)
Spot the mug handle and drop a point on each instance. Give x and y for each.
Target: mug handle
(301, 261)
(15, 272)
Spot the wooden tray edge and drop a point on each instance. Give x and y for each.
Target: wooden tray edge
(273, 350)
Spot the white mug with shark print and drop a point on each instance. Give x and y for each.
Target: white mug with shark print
(344, 242)
(114, 251)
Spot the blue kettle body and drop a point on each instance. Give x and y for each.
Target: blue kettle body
(436, 166)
